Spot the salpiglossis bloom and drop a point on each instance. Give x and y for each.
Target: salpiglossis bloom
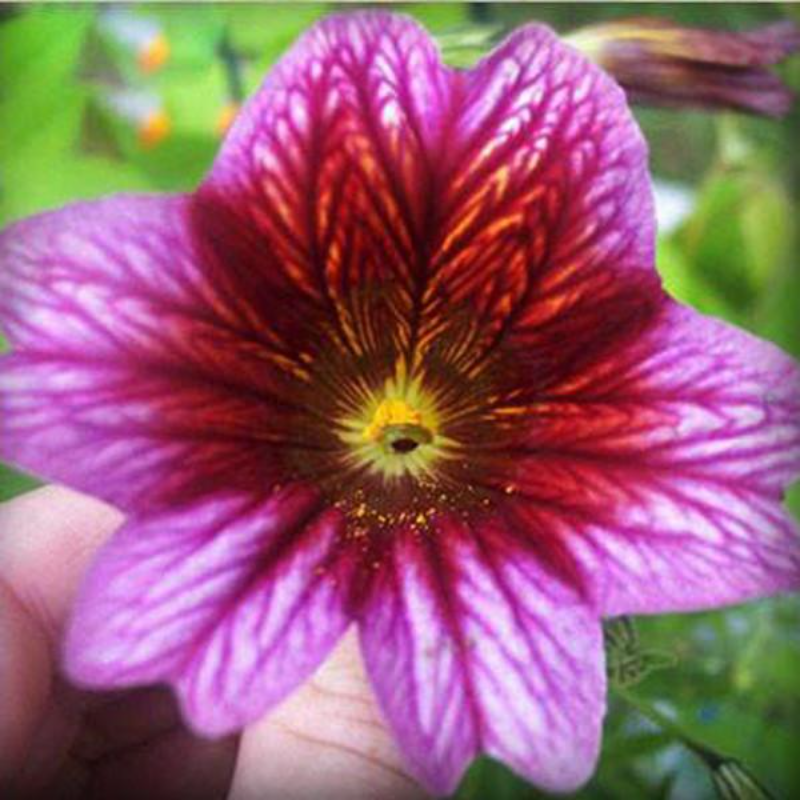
(659, 62)
(402, 361)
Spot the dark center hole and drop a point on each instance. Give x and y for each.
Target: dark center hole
(404, 445)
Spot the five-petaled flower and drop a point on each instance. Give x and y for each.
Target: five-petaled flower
(402, 361)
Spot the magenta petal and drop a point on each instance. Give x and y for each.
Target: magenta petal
(471, 650)
(699, 517)
(353, 79)
(234, 602)
(128, 363)
(519, 180)
(554, 137)
(88, 296)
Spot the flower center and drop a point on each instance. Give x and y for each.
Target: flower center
(395, 433)
(398, 427)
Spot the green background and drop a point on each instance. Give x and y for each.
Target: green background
(734, 684)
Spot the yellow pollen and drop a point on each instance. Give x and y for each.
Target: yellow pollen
(392, 412)
(397, 432)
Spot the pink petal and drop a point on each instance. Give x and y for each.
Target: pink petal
(473, 647)
(128, 363)
(681, 451)
(551, 144)
(233, 601)
(364, 166)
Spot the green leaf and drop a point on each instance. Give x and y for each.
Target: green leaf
(32, 184)
(687, 283)
(264, 32)
(13, 483)
(40, 101)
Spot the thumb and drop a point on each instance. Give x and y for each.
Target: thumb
(326, 740)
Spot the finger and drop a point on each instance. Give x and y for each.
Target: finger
(47, 538)
(327, 740)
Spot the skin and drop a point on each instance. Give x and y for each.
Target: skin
(56, 742)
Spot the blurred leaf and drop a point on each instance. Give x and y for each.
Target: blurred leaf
(194, 101)
(38, 183)
(487, 778)
(262, 31)
(686, 283)
(793, 500)
(42, 103)
(13, 483)
(740, 238)
(776, 314)
(437, 17)
(193, 31)
(178, 164)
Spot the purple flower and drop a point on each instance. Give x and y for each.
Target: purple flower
(402, 361)
(659, 62)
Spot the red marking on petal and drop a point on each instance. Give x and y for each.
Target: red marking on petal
(492, 229)
(662, 470)
(135, 377)
(506, 191)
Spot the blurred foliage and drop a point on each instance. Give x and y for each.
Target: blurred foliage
(729, 680)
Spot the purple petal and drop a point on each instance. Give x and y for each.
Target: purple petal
(235, 602)
(712, 438)
(472, 647)
(522, 179)
(128, 362)
(552, 135)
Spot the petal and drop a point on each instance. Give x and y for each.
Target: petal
(129, 362)
(316, 198)
(664, 469)
(234, 602)
(364, 162)
(473, 647)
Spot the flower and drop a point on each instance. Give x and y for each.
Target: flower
(402, 360)
(659, 62)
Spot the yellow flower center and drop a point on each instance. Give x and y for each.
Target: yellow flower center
(396, 431)
(399, 426)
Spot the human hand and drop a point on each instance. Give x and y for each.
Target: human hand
(60, 743)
